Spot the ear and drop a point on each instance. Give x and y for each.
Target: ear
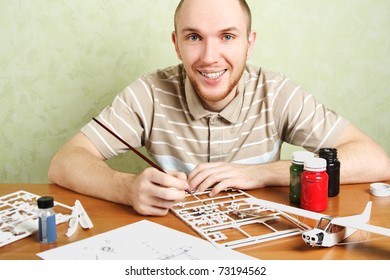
(176, 44)
(251, 43)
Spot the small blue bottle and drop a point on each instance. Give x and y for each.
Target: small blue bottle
(47, 220)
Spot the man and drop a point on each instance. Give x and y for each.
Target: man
(211, 122)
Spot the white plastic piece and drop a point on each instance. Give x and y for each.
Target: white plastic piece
(4, 236)
(19, 216)
(215, 218)
(26, 226)
(380, 189)
(73, 222)
(78, 216)
(329, 230)
(85, 221)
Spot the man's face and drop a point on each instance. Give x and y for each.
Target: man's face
(213, 43)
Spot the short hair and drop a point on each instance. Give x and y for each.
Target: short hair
(242, 3)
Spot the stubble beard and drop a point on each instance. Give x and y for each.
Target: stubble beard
(223, 93)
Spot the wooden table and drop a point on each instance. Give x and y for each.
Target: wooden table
(107, 216)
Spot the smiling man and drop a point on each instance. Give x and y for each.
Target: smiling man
(214, 51)
(211, 122)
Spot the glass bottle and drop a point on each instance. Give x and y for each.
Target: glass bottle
(314, 192)
(46, 220)
(296, 169)
(333, 170)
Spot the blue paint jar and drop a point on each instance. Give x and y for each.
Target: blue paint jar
(47, 220)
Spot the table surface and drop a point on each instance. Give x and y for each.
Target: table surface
(108, 216)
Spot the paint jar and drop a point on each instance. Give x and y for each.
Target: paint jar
(314, 180)
(333, 170)
(46, 220)
(296, 169)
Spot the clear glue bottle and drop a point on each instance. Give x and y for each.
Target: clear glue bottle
(314, 180)
(296, 169)
(46, 220)
(333, 170)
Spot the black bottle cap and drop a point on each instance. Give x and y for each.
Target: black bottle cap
(328, 153)
(45, 202)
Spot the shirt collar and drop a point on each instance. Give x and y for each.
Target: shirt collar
(230, 113)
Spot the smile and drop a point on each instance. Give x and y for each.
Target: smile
(214, 75)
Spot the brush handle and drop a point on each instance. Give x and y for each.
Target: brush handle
(129, 146)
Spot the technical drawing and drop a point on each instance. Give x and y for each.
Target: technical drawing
(143, 240)
(184, 252)
(228, 220)
(19, 216)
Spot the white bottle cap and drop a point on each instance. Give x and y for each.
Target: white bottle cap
(380, 189)
(315, 164)
(299, 157)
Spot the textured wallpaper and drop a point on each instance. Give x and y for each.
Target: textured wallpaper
(62, 61)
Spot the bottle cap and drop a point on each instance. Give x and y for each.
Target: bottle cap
(380, 189)
(328, 153)
(315, 164)
(45, 202)
(299, 157)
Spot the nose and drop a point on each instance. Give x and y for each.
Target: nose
(210, 51)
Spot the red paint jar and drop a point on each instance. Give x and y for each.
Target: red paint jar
(314, 183)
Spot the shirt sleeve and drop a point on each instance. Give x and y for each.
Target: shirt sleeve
(128, 117)
(302, 120)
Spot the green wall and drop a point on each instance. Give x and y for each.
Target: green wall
(62, 61)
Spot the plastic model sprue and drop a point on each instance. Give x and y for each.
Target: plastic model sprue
(235, 219)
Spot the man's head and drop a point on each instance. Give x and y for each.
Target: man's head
(242, 3)
(213, 39)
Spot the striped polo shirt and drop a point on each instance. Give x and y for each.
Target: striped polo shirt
(162, 112)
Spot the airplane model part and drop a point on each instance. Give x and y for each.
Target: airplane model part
(329, 230)
(78, 216)
(19, 216)
(227, 220)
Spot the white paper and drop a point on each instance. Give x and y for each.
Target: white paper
(142, 240)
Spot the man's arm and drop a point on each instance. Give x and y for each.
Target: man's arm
(222, 175)
(79, 166)
(362, 159)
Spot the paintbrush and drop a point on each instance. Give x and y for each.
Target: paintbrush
(135, 150)
(129, 146)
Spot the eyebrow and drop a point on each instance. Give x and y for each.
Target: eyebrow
(228, 29)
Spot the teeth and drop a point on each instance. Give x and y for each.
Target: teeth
(214, 75)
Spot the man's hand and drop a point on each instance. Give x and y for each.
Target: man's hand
(221, 176)
(153, 192)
